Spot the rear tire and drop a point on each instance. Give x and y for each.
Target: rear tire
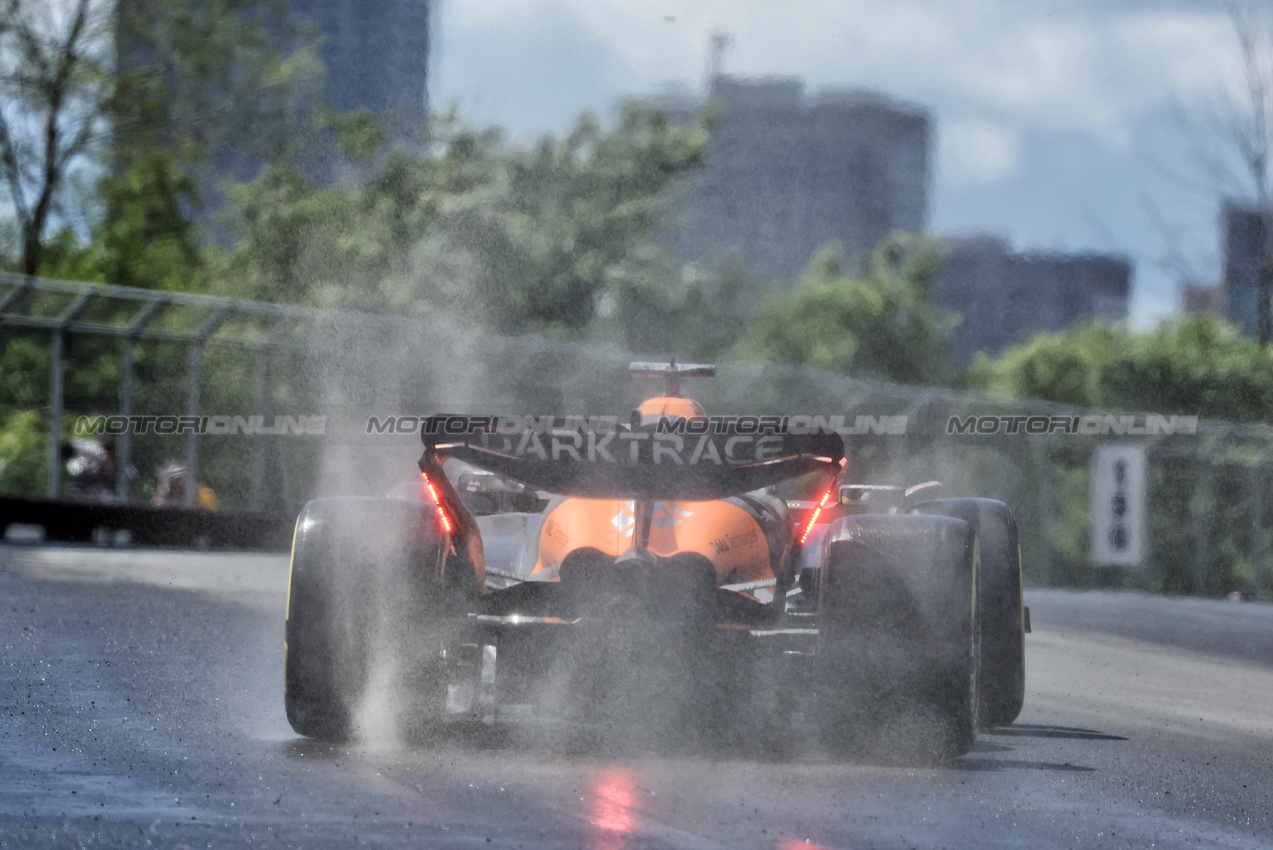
(897, 638)
(1001, 678)
(368, 616)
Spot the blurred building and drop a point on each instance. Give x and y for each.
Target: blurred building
(1202, 298)
(1243, 236)
(789, 174)
(1006, 297)
(376, 53)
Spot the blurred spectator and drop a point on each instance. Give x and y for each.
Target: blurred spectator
(171, 492)
(92, 468)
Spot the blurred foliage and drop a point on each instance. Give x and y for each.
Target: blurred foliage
(209, 81)
(55, 80)
(516, 239)
(24, 376)
(880, 323)
(1069, 526)
(147, 240)
(1200, 523)
(1195, 364)
(697, 312)
(206, 89)
(23, 451)
(193, 89)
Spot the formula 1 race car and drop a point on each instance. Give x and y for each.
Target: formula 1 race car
(646, 575)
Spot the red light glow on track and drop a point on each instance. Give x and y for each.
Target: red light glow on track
(817, 512)
(432, 494)
(613, 793)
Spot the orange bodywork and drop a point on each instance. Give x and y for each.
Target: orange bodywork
(722, 531)
(652, 409)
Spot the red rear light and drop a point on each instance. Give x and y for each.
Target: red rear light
(817, 512)
(431, 493)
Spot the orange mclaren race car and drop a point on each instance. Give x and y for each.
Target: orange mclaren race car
(646, 575)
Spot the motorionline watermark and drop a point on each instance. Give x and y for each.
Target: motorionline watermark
(796, 425)
(210, 425)
(1092, 425)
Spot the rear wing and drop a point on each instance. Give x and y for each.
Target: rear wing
(691, 460)
(671, 373)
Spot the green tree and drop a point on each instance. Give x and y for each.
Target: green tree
(517, 239)
(1066, 367)
(577, 208)
(353, 245)
(23, 451)
(203, 89)
(1197, 365)
(880, 324)
(55, 82)
(146, 240)
(699, 311)
(117, 116)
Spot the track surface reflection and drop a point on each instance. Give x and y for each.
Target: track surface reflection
(142, 707)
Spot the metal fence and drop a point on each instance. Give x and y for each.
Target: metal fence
(135, 316)
(174, 354)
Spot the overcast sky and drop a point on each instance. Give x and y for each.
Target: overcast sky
(1057, 124)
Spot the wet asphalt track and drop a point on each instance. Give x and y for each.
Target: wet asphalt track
(142, 706)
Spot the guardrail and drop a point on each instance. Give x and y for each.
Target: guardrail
(64, 521)
(1206, 500)
(63, 308)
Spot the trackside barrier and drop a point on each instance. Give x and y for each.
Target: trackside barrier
(145, 525)
(1209, 496)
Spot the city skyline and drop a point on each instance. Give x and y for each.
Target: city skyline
(1057, 126)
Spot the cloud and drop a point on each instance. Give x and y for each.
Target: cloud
(1154, 298)
(974, 152)
(1054, 66)
(528, 67)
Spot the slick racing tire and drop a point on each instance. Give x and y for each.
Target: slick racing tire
(367, 617)
(897, 638)
(1001, 679)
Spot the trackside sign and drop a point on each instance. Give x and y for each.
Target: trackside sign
(1118, 506)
